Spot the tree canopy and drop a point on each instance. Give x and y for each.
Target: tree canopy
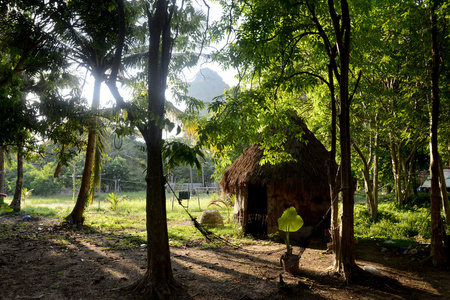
(369, 78)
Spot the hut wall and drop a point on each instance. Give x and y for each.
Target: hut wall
(240, 205)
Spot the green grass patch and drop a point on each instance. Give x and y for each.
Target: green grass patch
(125, 226)
(393, 222)
(43, 211)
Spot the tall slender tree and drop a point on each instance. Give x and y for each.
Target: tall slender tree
(165, 20)
(90, 31)
(437, 247)
(28, 49)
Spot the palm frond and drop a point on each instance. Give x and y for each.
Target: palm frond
(101, 147)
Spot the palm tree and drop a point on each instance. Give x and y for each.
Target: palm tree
(93, 44)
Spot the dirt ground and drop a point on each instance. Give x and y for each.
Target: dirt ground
(40, 259)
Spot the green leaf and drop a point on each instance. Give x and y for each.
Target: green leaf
(290, 221)
(4, 207)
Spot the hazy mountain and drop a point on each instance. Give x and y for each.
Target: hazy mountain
(206, 86)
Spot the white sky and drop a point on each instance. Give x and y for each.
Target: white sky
(106, 98)
(227, 75)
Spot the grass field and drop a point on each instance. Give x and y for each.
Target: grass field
(128, 219)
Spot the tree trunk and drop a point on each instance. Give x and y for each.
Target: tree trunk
(191, 182)
(444, 194)
(342, 28)
(203, 175)
(370, 201)
(408, 167)
(401, 167)
(15, 203)
(334, 183)
(375, 169)
(76, 216)
(158, 282)
(437, 247)
(333, 175)
(396, 169)
(2, 170)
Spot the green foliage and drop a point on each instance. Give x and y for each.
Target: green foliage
(114, 200)
(39, 176)
(31, 58)
(39, 173)
(421, 200)
(41, 211)
(26, 193)
(42, 180)
(5, 207)
(394, 222)
(115, 172)
(176, 153)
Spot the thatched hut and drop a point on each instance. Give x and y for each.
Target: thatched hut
(263, 192)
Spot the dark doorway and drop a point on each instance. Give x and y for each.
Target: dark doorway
(257, 211)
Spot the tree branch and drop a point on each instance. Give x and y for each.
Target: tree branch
(355, 87)
(206, 29)
(120, 42)
(311, 74)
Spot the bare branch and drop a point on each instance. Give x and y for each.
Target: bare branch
(206, 29)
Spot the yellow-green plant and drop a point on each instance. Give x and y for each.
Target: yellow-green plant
(26, 193)
(115, 199)
(3, 206)
(289, 221)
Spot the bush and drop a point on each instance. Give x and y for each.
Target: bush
(393, 222)
(45, 185)
(421, 200)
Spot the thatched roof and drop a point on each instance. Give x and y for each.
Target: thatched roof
(309, 168)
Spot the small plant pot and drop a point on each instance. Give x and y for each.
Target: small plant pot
(290, 262)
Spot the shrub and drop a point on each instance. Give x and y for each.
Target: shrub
(394, 222)
(421, 200)
(115, 199)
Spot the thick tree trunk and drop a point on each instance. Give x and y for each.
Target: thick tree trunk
(15, 203)
(158, 281)
(76, 216)
(437, 247)
(370, 201)
(347, 230)
(342, 28)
